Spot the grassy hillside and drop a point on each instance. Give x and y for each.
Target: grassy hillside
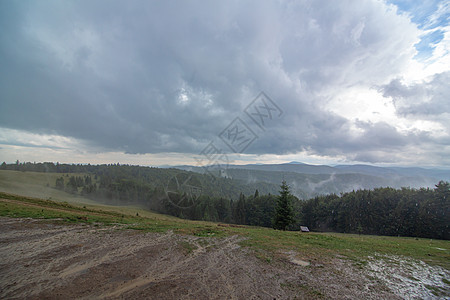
(266, 242)
(147, 178)
(37, 184)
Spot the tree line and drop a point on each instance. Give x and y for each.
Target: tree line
(421, 212)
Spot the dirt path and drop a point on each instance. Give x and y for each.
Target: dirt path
(41, 260)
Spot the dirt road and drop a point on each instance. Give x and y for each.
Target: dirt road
(50, 261)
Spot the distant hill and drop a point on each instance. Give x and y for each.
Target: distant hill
(310, 180)
(290, 167)
(435, 174)
(306, 181)
(287, 167)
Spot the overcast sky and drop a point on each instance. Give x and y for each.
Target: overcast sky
(156, 82)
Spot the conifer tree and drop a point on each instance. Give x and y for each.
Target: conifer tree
(284, 215)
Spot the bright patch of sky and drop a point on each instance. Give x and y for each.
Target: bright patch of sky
(431, 16)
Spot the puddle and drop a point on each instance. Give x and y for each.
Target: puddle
(292, 256)
(300, 262)
(410, 278)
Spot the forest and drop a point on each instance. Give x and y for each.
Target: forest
(423, 212)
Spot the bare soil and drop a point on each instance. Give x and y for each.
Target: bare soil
(58, 261)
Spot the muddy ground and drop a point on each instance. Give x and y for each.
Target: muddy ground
(51, 261)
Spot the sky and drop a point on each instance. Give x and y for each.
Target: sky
(190, 82)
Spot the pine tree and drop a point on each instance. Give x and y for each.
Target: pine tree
(239, 210)
(284, 215)
(60, 183)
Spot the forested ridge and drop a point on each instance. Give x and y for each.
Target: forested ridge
(421, 212)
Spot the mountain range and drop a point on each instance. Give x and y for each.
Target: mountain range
(311, 180)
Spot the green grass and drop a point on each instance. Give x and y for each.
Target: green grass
(39, 185)
(266, 242)
(188, 247)
(355, 247)
(29, 207)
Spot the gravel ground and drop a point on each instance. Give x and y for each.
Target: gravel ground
(50, 261)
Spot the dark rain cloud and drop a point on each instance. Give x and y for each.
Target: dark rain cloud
(154, 77)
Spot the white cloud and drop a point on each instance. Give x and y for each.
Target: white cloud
(28, 139)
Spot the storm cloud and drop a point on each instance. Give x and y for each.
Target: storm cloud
(169, 76)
